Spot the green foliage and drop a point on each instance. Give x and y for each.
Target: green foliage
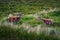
(55, 13)
(30, 20)
(28, 7)
(21, 34)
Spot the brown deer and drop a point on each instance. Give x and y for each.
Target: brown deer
(46, 21)
(14, 18)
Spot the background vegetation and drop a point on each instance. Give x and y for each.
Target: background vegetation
(28, 7)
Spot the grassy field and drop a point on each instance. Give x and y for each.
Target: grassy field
(7, 33)
(28, 7)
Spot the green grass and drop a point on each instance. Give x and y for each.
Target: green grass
(30, 20)
(27, 7)
(20, 34)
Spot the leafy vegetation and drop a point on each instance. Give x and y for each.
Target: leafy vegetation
(20, 34)
(28, 7)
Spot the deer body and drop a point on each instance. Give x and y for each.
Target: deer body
(14, 18)
(46, 21)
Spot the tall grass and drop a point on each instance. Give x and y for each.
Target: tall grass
(20, 34)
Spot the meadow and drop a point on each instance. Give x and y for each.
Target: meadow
(29, 7)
